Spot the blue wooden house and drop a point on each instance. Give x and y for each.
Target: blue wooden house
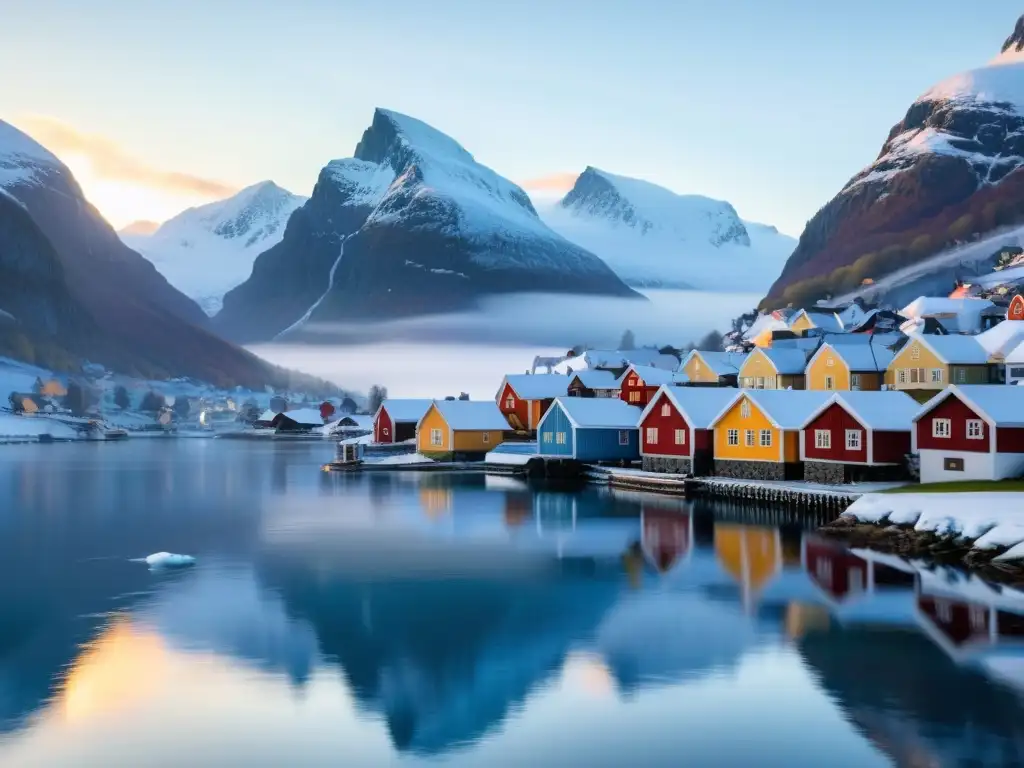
(590, 429)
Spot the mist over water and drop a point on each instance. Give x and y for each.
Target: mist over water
(470, 352)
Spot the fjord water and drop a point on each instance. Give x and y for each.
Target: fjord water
(412, 619)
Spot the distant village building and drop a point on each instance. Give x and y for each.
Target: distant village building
(596, 383)
(297, 421)
(638, 383)
(712, 369)
(926, 364)
(773, 368)
(396, 420)
(823, 319)
(854, 366)
(524, 398)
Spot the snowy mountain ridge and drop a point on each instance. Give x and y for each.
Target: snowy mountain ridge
(653, 237)
(206, 251)
(23, 161)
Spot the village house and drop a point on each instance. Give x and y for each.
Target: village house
(615, 360)
(821, 319)
(762, 331)
(524, 398)
(774, 368)
(757, 434)
(589, 430)
(926, 364)
(638, 383)
(595, 383)
(299, 420)
(460, 430)
(1000, 343)
(1013, 365)
(848, 367)
(955, 315)
(675, 429)
(395, 420)
(712, 369)
(858, 436)
(971, 433)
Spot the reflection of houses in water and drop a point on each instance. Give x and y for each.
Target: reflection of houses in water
(665, 537)
(751, 555)
(436, 501)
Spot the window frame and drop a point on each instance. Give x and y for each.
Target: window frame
(823, 439)
(977, 423)
(732, 437)
(436, 437)
(854, 440)
(623, 437)
(680, 437)
(937, 376)
(947, 429)
(651, 435)
(666, 409)
(765, 439)
(750, 438)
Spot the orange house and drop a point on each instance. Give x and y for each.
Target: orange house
(524, 398)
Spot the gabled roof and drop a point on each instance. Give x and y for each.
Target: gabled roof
(698, 405)
(654, 377)
(827, 320)
(999, 404)
(859, 357)
(537, 386)
(598, 412)
(616, 358)
(785, 361)
(722, 363)
(765, 324)
(886, 411)
(954, 349)
(784, 408)
(596, 379)
(267, 416)
(1003, 338)
(305, 416)
(471, 415)
(405, 410)
(962, 314)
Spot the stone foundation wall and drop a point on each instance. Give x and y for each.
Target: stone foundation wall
(750, 470)
(668, 465)
(824, 472)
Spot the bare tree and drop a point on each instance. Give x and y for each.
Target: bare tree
(377, 395)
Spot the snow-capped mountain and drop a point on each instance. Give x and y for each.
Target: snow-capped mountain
(653, 237)
(949, 171)
(206, 251)
(410, 225)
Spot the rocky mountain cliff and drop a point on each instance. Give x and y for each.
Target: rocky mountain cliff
(206, 251)
(410, 225)
(653, 237)
(948, 172)
(74, 284)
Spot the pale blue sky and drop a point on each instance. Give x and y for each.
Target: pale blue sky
(770, 104)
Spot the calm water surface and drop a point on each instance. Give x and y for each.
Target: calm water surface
(455, 620)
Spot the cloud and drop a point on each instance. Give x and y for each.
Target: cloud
(110, 161)
(555, 182)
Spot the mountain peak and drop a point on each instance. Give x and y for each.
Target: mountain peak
(22, 157)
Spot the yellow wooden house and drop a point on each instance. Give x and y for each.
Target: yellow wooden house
(849, 366)
(757, 435)
(774, 368)
(825, 320)
(928, 363)
(460, 429)
(712, 369)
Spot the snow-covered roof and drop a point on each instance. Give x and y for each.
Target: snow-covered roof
(1003, 338)
(954, 349)
(267, 416)
(999, 404)
(472, 415)
(698, 405)
(361, 420)
(404, 411)
(967, 311)
(784, 408)
(654, 377)
(826, 320)
(764, 324)
(887, 411)
(860, 357)
(786, 361)
(722, 363)
(596, 379)
(305, 416)
(599, 412)
(537, 386)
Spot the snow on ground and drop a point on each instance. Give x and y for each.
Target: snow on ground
(517, 454)
(992, 520)
(402, 458)
(22, 159)
(12, 426)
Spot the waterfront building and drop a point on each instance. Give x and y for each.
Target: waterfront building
(460, 430)
(593, 383)
(524, 397)
(675, 429)
(590, 430)
(395, 420)
(774, 368)
(638, 383)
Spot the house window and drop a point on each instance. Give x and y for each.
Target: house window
(548, 437)
(769, 382)
(975, 429)
(510, 402)
(436, 438)
(822, 439)
(978, 618)
(942, 427)
(943, 611)
(961, 375)
(913, 376)
(766, 438)
(830, 362)
(855, 381)
(666, 410)
(830, 383)
(560, 438)
(680, 437)
(901, 376)
(823, 569)
(734, 437)
(853, 440)
(760, 383)
(750, 438)
(855, 580)
(953, 465)
(745, 409)
(486, 437)
(652, 435)
(1017, 373)
(623, 437)
(915, 353)
(936, 375)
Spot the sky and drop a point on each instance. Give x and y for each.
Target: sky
(769, 105)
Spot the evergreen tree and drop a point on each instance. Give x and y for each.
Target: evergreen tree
(122, 399)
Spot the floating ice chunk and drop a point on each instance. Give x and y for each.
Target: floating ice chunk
(169, 560)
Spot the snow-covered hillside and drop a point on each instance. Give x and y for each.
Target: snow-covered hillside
(22, 159)
(653, 237)
(204, 252)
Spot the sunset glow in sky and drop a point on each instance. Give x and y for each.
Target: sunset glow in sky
(772, 106)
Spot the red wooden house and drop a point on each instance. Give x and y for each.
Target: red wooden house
(858, 436)
(395, 420)
(638, 383)
(524, 398)
(971, 432)
(675, 428)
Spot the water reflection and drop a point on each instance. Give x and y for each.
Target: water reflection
(474, 620)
